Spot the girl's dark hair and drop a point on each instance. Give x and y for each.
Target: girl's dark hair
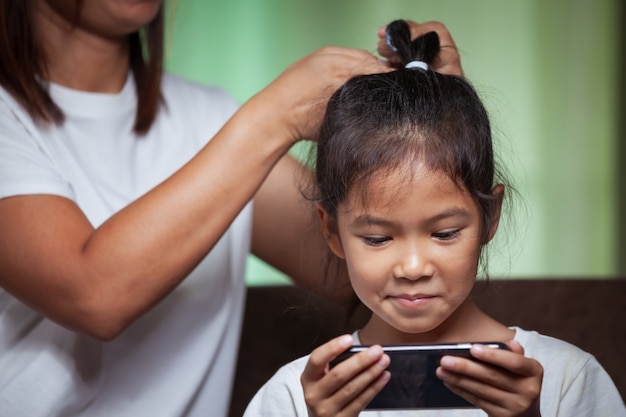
(23, 64)
(376, 123)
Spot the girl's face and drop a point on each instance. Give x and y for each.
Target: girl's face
(412, 250)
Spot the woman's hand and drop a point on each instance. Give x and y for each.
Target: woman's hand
(447, 62)
(347, 388)
(503, 383)
(293, 105)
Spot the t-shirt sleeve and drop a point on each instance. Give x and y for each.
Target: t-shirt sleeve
(592, 393)
(281, 396)
(26, 166)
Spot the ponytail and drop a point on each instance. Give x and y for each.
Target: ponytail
(411, 54)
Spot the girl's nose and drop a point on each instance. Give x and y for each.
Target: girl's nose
(413, 265)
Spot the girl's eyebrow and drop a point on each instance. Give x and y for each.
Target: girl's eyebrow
(452, 212)
(457, 211)
(367, 220)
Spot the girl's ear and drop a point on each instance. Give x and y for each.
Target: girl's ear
(331, 233)
(498, 194)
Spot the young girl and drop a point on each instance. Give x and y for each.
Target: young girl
(408, 197)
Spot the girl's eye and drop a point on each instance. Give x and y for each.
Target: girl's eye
(376, 241)
(447, 235)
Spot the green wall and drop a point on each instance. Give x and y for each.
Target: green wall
(547, 71)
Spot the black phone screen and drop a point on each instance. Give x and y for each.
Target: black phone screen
(413, 382)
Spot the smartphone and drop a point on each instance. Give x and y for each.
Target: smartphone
(413, 382)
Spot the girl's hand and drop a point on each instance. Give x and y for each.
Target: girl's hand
(347, 388)
(447, 62)
(292, 106)
(503, 384)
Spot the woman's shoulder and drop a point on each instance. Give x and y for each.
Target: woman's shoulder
(176, 87)
(194, 104)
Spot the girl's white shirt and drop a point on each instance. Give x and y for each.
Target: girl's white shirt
(574, 384)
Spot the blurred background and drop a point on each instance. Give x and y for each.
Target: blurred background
(551, 74)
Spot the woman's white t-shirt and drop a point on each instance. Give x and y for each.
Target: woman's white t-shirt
(179, 358)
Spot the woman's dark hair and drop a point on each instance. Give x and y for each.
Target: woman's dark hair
(23, 64)
(380, 122)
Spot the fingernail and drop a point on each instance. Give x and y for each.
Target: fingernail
(448, 361)
(477, 350)
(375, 351)
(345, 340)
(383, 362)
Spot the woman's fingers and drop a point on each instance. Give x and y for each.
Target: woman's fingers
(293, 105)
(448, 61)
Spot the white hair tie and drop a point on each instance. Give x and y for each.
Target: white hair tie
(417, 64)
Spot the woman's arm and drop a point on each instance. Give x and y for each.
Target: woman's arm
(98, 281)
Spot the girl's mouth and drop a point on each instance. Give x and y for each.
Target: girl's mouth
(412, 301)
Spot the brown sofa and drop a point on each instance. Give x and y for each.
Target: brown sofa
(282, 323)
